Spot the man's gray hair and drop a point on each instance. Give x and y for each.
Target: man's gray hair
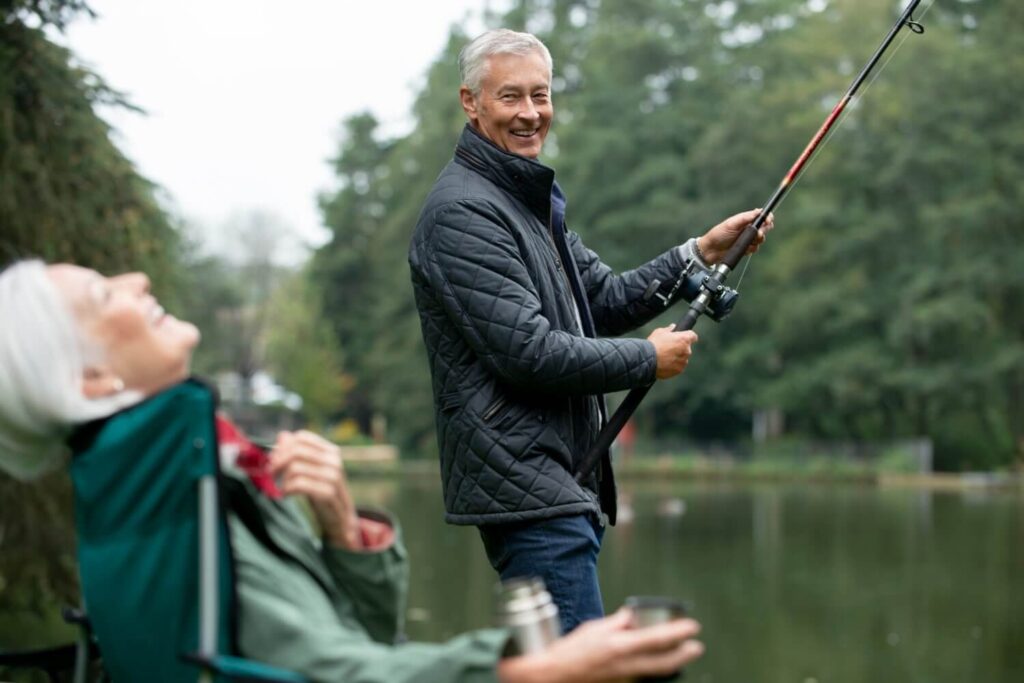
(473, 58)
(42, 360)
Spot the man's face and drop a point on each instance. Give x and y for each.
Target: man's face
(513, 108)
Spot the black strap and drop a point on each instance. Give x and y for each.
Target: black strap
(240, 502)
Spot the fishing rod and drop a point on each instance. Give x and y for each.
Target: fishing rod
(713, 290)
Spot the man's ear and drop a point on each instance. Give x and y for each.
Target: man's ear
(468, 100)
(98, 382)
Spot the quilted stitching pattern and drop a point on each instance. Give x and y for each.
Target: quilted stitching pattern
(502, 340)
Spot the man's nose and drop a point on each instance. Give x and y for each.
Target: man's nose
(528, 111)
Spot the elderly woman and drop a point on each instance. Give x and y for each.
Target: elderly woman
(76, 347)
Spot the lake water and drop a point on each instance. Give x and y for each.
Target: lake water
(793, 583)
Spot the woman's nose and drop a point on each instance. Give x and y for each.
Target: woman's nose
(136, 283)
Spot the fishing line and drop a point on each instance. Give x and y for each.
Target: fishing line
(839, 124)
(713, 291)
(853, 105)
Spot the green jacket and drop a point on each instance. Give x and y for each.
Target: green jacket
(333, 614)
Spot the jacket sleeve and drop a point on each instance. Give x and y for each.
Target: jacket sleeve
(475, 269)
(620, 303)
(374, 582)
(286, 620)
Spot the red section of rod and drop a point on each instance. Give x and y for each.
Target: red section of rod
(813, 144)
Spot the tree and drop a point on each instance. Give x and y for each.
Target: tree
(302, 350)
(884, 304)
(67, 192)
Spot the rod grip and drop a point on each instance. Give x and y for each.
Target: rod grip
(742, 243)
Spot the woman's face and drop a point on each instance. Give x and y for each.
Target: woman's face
(139, 344)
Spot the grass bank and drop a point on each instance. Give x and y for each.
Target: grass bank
(895, 466)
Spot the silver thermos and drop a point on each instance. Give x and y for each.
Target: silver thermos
(526, 609)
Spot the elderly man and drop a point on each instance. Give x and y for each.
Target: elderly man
(511, 305)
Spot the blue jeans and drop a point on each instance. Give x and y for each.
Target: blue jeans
(562, 551)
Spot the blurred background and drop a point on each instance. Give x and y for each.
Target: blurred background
(834, 481)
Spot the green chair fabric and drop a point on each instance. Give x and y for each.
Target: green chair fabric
(137, 479)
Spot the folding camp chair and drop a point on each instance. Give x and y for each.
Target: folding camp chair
(72, 661)
(153, 547)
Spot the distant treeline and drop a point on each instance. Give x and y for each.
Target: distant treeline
(886, 305)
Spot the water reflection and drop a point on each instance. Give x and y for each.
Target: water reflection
(793, 584)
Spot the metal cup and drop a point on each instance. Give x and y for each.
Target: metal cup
(524, 606)
(649, 610)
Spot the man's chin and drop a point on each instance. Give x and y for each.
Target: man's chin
(527, 148)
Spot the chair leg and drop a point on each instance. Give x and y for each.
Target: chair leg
(82, 656)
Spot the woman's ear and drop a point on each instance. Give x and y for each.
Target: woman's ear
(100, 382)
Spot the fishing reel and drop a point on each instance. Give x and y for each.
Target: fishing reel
(694, 280)
(723, 299)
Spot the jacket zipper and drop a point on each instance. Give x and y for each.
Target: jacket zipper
(579, 322)
(565, 273)
(493, 409)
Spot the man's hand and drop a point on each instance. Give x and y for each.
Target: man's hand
(673, 349)
(307, 464)
(716, 242)
(609, 650)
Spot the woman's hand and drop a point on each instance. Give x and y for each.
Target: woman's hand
(608, 650)
(307, 464)
(714, 244)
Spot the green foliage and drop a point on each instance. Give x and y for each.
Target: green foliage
(210, 302)
(363, 272)
(302, 350)
(884, 306)
(67, 192)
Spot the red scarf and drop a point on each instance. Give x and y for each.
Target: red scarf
(251, 459)
(255, 462)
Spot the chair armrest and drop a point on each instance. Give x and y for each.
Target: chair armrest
(239, 669)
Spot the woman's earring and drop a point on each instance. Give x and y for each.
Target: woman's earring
(118, 385)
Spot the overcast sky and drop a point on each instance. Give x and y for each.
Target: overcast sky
(245, 97)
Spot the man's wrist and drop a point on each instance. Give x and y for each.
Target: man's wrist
(690, 251)
(702, 251)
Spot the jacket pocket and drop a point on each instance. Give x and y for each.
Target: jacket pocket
(505, 413)
(494, 410)
(446, 403)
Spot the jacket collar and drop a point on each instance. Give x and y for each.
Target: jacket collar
(524, 178)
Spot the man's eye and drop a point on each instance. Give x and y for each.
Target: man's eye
(509, 98)
(541, 97)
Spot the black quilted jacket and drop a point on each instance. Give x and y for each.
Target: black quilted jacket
(516, 383)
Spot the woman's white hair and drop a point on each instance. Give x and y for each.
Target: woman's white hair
(41, 367)
(473, 57)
